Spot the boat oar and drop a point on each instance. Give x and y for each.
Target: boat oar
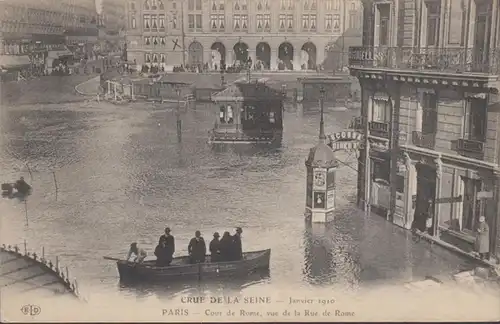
(112, 259)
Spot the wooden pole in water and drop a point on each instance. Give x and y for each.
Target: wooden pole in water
(67, 273)
(55, 182)
(178, 115)
(26, 211)
(57, 263)
(43, 253)
(25, 248)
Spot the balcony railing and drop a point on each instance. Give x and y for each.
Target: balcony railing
(379, 128)
(427, 141)
(455, 60)
(471, 146)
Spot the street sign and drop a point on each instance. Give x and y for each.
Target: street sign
(485, 194)
(449, 200)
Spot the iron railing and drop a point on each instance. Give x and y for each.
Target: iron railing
(427, 141)
(453, 60)
(380, 129)
(466, 145)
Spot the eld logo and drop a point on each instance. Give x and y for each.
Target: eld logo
(32, 310)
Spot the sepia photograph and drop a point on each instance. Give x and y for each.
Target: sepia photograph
(249, 160)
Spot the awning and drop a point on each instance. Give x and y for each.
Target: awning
(60, 53)
(11, 61)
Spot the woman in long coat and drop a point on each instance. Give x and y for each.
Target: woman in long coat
(483, 239)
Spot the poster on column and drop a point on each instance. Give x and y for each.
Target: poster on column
(330, 199)
(330, 179)
(319, 179)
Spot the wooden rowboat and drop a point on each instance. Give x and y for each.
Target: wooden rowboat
(180, 268)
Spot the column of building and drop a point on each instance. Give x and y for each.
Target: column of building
(437, 205)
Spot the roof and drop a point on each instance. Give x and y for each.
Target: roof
(322, 156)
(9, 61)
(244, 90)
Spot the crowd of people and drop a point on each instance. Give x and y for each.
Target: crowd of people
(227, 248)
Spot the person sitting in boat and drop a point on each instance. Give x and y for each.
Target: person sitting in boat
(237, 249)
(169, 244)
(22, 187)
(197, 248)
(225, 247)
(214, 248)
(163, 257)
(139, 253)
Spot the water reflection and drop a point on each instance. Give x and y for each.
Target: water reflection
(195, 288)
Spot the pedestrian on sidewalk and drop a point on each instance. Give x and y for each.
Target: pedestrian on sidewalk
(482, 243)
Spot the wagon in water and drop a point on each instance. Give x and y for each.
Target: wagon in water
(182, 269)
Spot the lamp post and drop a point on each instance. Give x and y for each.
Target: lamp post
(178, 114)
(322, 135)
(222, 70)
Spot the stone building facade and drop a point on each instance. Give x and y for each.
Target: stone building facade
(192, 32)
(428, 71)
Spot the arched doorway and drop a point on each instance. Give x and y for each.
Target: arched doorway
(218, 55)
(263, 55)
(241, 52)
(308, 57)
(285, 56)
(195, 54)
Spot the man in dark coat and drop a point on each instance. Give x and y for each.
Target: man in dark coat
(197, 248)
(22, 187)
(162, 255)
(169, 244)
(215, 248)
(225, 245)
(237, 249)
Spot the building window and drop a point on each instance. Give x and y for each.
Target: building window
(198, 22)
(306, 5)
(267, 21)
(336, 5)
(282, 21)
(289, 19)
(174, 5)
(312, 22)
(222, 22)
(244, 5)
(147, 22)
(384, 12)
(328, 22)
(329, 5)
(147, 58)
(147, 40)
(381, 171)
(174, 22)
(305, 22)
(198, 5)
(283, 4)
(475, 119)
(381, 111)
(221, 5)
(162, 58)
(146, 5)
(336, 22)
(429, 113)
(433, 13)
(260, 22)
(134, 23)
(314, 5)
(194, 22)
(190, 5)
(132, 6)
(162, 22)
(214, 21)
(471, 205)
(154, 22)
(236, 22)
(191, 21)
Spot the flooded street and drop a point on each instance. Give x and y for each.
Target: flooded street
(106, 175)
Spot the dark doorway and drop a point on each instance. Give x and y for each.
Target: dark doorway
(195, 51)
(263, 55)
(310, 49)
(285, 55)
(241, 52)
(218, 53)
(425, 200)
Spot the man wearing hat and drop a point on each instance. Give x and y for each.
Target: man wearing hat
(237, 247)
(197, 248)
(214, 248)
(169, 245)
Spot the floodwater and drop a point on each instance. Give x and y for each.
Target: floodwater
(105, 175)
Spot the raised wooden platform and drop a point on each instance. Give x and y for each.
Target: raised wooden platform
(24, 272)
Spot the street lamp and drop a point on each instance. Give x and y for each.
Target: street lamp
(178, 113)
(322, 135)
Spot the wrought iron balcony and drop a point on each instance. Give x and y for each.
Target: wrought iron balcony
(471, 146)
(380, 129)
(427, 141)
(356, 123)
(453, 60)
